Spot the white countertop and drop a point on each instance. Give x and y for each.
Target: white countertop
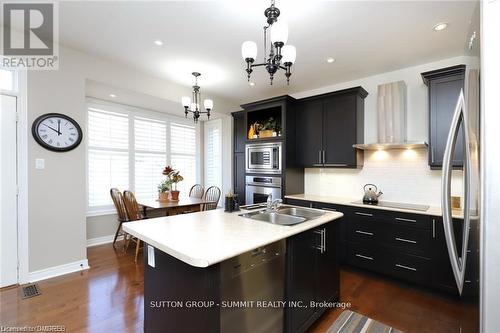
(433, 210)
(206, 238)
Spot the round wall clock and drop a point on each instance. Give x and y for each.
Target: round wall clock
(57, 132)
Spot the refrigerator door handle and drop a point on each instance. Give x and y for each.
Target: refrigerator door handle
(458, 261)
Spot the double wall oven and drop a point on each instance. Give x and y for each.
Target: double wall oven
(264, 162)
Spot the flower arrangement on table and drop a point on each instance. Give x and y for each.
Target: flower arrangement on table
(165, 187)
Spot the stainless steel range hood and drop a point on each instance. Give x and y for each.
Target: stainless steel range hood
(391, 119)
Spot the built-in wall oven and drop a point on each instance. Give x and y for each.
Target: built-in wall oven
(258, 188)
(263, 158)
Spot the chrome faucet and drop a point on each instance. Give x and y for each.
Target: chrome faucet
(273, 204)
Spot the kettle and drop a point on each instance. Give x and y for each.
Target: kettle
(371, 195)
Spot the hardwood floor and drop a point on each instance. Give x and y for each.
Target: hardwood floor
(108, 298)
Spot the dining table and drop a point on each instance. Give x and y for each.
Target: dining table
(175, 207)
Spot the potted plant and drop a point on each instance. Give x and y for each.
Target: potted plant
(165, 186)
(175, 177)
(164, 189)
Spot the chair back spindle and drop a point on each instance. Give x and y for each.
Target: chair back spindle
(196, 191)
(212, 194)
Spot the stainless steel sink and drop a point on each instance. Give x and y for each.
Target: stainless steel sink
(309, 214)
(284, 215)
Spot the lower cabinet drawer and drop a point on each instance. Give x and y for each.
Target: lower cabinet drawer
(407, 267)
(364, 231)
(364, 256)
(409, 240)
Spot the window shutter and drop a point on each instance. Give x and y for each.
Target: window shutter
(213, 154)
(150, 156)
(108, 156)
(183, 154)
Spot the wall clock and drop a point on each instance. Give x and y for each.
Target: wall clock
(57, 132)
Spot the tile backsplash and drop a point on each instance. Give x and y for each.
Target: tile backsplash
(403, 175)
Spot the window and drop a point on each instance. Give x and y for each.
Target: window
(183, 150)
(213, 153)
(128, 149)
(150, 156)
(108, 155)
(7, 80)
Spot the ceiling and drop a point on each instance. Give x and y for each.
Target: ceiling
(365, 38)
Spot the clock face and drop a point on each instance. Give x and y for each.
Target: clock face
(57, 132)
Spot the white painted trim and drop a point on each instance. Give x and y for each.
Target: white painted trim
(22, 202)
(102, 240)
(103, 212)
(52, 272)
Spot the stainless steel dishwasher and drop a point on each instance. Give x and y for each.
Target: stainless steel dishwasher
(250, 278)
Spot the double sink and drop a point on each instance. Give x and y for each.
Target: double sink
(285, 215)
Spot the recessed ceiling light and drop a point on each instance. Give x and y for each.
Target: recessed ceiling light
(440, 26)
(158, 42)
(251, 84)
(330, 60)
(112, 95)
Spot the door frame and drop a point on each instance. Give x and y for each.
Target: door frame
(22, 176)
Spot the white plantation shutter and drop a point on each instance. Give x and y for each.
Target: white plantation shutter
(213, 153)
(108, 155)
(128, 148)
(183, 154)
(150, 156)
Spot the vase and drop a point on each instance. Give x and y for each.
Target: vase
(163, 196)
(174, 195)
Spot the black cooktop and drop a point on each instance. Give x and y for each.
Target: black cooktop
(397, 205)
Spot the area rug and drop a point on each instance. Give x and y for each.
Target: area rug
(352, 322)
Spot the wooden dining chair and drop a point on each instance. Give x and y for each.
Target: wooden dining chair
(134, 214)
(213, 195)
(121, 211)
(196, 191)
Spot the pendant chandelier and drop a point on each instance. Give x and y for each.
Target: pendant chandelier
(280, 56)
(193, 105)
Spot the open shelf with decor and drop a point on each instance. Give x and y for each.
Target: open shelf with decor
(264, 124)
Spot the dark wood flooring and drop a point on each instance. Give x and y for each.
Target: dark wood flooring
(109, 298)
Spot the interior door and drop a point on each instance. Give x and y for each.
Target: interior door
(8, 191)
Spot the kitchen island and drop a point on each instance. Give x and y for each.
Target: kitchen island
(206, 271)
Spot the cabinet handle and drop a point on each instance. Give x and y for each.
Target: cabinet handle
(363, 214)
(433, 228)
(320, 165)
(405, 240)
(322, 246)
(324, 159)
(364, 232)
(319, 157)
(335, 165)
(432, 154)
(405, 220)
(406, 267)
(329, 209)
(324, 240)
(364, 257)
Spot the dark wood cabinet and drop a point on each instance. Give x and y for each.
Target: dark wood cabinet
(327, 127)
(442, 274)
(239, 138)
(407, 246)
(444, 87)
(239, 177)
(312, 275)
(309, 134)
(240, 132)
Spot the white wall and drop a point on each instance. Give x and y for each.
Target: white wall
(57, 195)
(402, 176)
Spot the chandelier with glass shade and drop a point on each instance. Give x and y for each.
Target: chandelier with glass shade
(193, 105)
(280, 56)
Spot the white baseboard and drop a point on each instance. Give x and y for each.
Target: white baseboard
(51, 272)
(102, 240)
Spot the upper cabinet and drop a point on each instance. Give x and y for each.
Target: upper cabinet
(327, 127)
(444, 89)
(239, 128)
